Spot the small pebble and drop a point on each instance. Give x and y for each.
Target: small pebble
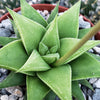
(93, 38)
(60, 13)
(21, 98)
(3, 76)
(47, 16)
(89, 98)
(46, 12)
(7, 24)
(4, 97)
(93, 80)
(84, 89)
(3, 91)
(17, 93)
(84, 96)
(97, 83)
(96, 50)
(5, 32)
(12, 97)
(96, 95)
(1, 25)
(83, 24)
(89, 92)
(4, 71)
(10, 89)
(91, 50)
(1, 12)
(19, 12)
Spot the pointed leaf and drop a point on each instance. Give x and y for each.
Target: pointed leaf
(59, 80)
(25, 97)
(50, 58)
(70, 43)
(76, 91)
(68, 23)
(15, 29)
(13, 56)
(85, 67)
(6, 40)
(34, 63)
(50, 96)
(95, 56)
(13, 79)
(53, 14)
(36, 90)
(83, 32)
(31, 13)
(86, 83)
(43, 49)
(30, 31)
(50, 39)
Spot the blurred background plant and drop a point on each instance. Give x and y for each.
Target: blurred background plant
(10, 3)
(89, 8)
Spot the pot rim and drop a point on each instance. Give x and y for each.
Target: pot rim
(49, 7)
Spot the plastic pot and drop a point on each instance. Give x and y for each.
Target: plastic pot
(50, 7)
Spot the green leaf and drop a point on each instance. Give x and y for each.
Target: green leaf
(15, 29)
(68, 23)
(76, 91)
(85, 67)
(70, 43)
(13, 56)
(6, 40)
(36, 90)
(50, 41)
(50, 58)
(59, 80)
(13, 79)
(53, 14)
(50, 96)
(31, 13)
(25, 97)
(95, 56)
(86, 83)
(30, 31)
(34, 63)
(83, 32)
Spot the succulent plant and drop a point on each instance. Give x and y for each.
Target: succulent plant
(49, 57)
(11, 3)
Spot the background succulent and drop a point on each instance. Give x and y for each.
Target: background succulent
(36, 55)
(10, 3)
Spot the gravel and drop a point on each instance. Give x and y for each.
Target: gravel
(5, 32)
(7, 24)
(12, 97)
(96, 50)
(96, 95)
(4, 97)
(89, 98)
(97, 83)
(83, 24)
(3, 74)
(92, 80)
(1, 25)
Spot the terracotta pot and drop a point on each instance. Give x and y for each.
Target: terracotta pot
(50, 7)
